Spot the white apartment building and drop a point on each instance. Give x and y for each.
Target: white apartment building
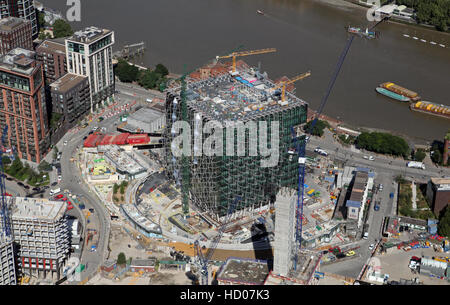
(41, 234)
(89, 53)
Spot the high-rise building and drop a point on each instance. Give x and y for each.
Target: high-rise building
(70, 98)
(52, 54)
(438, 194)
(15, 33)
(212, 181)
(22, 9)
(41, 234)
(22, 104)
(7, 265)
(89, 53)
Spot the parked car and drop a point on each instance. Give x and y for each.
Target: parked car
(371, 247)
(350, 253)
(65, 142)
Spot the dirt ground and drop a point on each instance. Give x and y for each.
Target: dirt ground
(396, 265)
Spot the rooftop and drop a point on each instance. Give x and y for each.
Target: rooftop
(67, 82)
(441, 180)
(19, 60)
(10, 23)
(242, 270)
(37, 209)
(145, 223)
(53, 46)
(124, 161)
(89, 35)
(146, 115)
(245, 96)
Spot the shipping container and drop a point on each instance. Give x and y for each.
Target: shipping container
(138, 139)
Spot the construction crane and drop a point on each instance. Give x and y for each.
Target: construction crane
(5, 217)
(301, 145)
(245, 53)
(204, 259)
(283, 84)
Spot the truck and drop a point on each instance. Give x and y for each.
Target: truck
(415, 164)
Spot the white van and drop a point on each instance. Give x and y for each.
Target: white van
(149, 100)
(55, 191)
(366, 235)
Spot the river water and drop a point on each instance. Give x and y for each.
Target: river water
(308, 35)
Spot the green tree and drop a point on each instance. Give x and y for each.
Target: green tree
(436, 156)
(121, 259)
(115, 188)
(161, 69)
(444, 223)
(6, 160)
(41, 19)
(148, 79)
(44, 166)
(318, 128)
(383, 143)
(419, 155)
(125, 72)
(61, 29)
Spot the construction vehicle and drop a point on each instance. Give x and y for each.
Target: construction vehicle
(204, 259)
(283, 84)
(245, 53)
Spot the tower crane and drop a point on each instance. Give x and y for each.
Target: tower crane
(283, 84)
(5, 217)
(204, 259)
(245, 53)
(301, 144)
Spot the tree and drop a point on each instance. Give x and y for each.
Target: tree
(148, 79)
(444, 223)
(121, 259)
(419, 155)
(41, 19)
(161, 69)
(44, 166)
(6, 160)
(383, 143)
(318, 129)
(125, 72)
(61, 29)
(115, 188)
(436, 156)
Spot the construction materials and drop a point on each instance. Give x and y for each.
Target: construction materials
(440, 110)
(414, 96)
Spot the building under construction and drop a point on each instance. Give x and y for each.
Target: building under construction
(212, 182)
(7, 265)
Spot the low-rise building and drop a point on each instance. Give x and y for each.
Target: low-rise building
(145, 120)
(242, 271)
(145, 265)
(355, 204)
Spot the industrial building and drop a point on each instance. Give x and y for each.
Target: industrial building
(23, 9)
(127, 163)
(89, 53)
(438, 194)
(7, 262)
(139, 222)
(41, 234)
(243, 271)
(52, 53)
(212, 182)
(15, 33)
(145, 120)
(23, 104)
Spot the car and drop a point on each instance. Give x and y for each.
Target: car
(371, 247)
(85, 137)
(340, 255)
(59, 196)
(380, 187)
(59, 178)
(366, 157)
(20, 183)
(91, 132)
(64, 199)
(70, 207)
(100, 119)
(36, 189)
(95, 128)
(371, 158)
(366, 235)
(54, 183)
(65, 142)
(350, 253)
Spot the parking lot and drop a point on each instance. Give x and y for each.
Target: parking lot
(396, 265)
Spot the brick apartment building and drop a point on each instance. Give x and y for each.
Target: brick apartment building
(22, 104)
(52, 54)
(15, 33)
(438, 193)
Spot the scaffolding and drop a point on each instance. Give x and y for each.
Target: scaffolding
(212, 182)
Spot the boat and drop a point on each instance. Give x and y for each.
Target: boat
(260, 12)
(393, 95)
(414, 96)
(364, 33)
(431, 108)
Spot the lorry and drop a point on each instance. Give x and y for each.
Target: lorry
(415, 164)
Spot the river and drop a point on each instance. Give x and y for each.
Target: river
(308, 35)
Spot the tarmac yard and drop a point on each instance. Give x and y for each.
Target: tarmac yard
(396, 265)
